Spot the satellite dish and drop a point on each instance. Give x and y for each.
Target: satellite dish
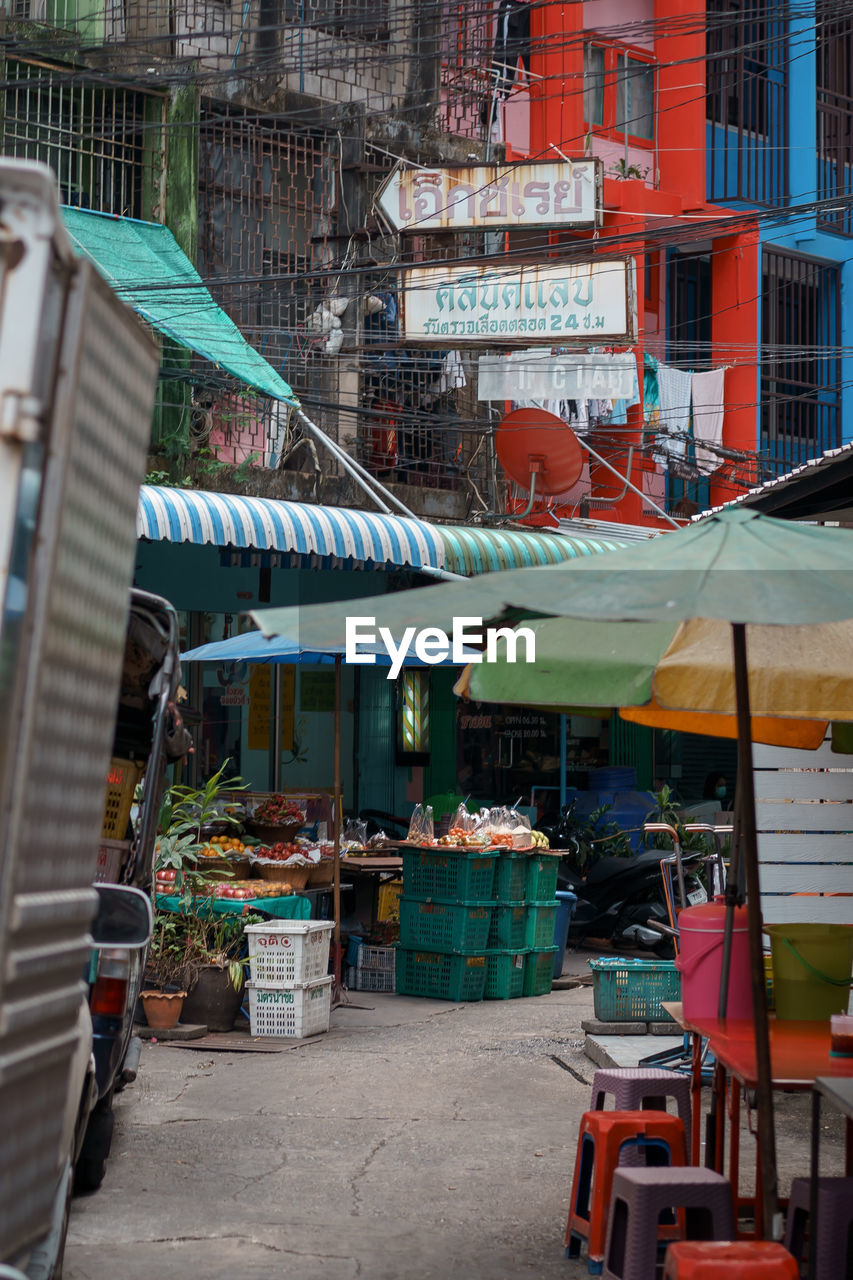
(538, 451)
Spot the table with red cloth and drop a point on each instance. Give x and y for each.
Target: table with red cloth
(799, 1053)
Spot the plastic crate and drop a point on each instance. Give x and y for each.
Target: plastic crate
(539, 971)
(121, 785)
(379, 959)
(542, 871)
(504, 975)
(509, 927)
(455, 926)
(388, 902)
(465, 875)
(369, 979)
(301, 1009)
(289, 951)
(441, 975)
(631, 990)
(511, 875)
(541, 921)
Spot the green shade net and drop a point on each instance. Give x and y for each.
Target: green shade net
(151, 273)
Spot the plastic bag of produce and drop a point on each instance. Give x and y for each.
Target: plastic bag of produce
(421, 827)
(518, 825)
(354, 833)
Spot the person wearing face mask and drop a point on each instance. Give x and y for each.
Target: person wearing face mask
(715, 788)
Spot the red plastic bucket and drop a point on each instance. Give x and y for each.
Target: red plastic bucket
(700, 962)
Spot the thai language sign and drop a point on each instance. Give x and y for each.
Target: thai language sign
(490, 306)
(525, 195)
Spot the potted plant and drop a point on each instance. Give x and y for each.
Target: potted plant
(187, 817)
(214, 970)
(163, 994)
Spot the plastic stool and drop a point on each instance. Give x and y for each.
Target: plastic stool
(834, 1259)
(741, 1259)
(604, 1138)
(638, 1197)
(642, 1089)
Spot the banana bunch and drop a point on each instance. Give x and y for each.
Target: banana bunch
(540, 841)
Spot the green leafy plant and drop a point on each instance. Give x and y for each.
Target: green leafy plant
(184, 813)
(669, 811)
(242, 472)
(217, 941)
(625, 171)
(167, 950)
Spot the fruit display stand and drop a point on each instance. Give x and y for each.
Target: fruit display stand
(286, 907)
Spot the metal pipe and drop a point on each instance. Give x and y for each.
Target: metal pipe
(769, 1203)
(631, 486)
(519, 515)
(336, 819)
(563, 789)
(355, 469)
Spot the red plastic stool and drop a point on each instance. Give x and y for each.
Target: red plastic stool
(603, 1138)
(740, 1259)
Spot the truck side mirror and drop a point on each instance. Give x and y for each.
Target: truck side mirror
(123, 917)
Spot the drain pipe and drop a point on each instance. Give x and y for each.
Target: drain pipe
(362, 477)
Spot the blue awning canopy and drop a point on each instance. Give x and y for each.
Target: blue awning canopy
(339, 537)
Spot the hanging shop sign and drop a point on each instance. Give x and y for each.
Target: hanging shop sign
(564, 194)
(549, 303)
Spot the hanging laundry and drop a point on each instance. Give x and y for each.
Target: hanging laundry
(708, 399)
(452, 375)
(674, 396)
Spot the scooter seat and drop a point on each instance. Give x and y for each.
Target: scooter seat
(606, 868)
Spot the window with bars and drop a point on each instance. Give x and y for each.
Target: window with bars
(104, 143)
(355, 19)
(800, 368)
(747, 101)
(834, 114)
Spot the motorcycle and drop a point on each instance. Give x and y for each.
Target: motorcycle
(628, 901)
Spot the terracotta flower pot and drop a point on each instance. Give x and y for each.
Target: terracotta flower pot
(162, 1008)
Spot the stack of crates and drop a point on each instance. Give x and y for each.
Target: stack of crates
(445, 918)
(290, 989)
(373, 969)
(521, 938)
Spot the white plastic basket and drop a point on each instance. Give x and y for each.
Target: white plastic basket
(289, 950)
(302, 1009)
(370, 979)
(381, 959)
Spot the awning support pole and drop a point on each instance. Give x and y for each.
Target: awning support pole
(604, 463)
(336, 820)
(355, 469)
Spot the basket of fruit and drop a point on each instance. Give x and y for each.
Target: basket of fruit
(272, 864)
(277, 819)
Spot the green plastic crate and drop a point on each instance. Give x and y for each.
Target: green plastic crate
(538, 971)
(455, 926)
(466, 875)
(511, 876)
(541, 919)
(441, 975)
(504, 975)
(541, 876)
(509, 927)
(632, 990)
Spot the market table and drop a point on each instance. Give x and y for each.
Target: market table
(389, 867)
(800, 1053)
(291, 907)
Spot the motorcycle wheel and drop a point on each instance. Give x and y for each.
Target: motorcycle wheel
(91, 1166)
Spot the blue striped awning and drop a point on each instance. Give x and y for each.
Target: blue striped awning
(470, 550)
(332, 536)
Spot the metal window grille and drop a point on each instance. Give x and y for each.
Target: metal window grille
(747, 101)
(474, 72)
(834, 116)
(800, 369)
(104, 143)
(359, 19)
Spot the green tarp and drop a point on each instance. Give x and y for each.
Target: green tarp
(151, 273)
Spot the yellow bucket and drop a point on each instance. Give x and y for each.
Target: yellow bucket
(812, 966)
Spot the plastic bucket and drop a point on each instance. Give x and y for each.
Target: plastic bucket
(565, 909)
(811, 969)
(700, 962)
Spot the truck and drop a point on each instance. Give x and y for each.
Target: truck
(78, 375)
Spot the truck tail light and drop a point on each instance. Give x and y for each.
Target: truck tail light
(108, 995)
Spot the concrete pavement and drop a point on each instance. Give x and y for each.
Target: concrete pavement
(418, 1139)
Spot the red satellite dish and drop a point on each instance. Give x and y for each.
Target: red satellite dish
(533, 442)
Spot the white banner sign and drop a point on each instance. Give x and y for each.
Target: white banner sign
(489, 306)
(540, 374)
(525, 195)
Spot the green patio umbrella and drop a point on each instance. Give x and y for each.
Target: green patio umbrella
(736, 567)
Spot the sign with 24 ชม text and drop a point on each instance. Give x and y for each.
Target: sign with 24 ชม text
(548, 302)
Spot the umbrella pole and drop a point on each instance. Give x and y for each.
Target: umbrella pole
(764, 1091)
(336, 895)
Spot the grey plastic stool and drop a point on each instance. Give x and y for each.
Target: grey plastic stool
(834, 1259)
(642, 1089)
(639, 1196)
